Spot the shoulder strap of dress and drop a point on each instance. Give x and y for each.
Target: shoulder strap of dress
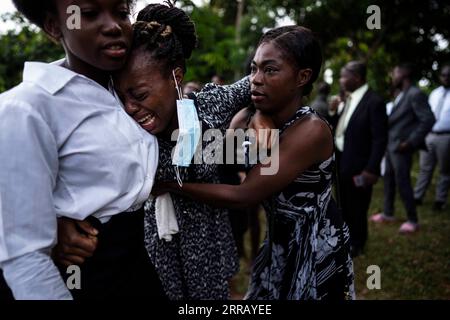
(300, 113)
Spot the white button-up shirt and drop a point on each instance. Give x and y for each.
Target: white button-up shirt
(67, 148)
(443, 115)
(355, 97)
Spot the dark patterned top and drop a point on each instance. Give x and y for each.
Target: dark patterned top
(310, 243)
(201, 258)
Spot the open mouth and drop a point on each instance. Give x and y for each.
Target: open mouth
(147, 120)
(115, 49)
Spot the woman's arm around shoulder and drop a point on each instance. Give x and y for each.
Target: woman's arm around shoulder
(305, 143)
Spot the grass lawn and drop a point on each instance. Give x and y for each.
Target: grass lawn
(412, 267)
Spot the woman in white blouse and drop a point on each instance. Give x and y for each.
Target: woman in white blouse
(67, 148)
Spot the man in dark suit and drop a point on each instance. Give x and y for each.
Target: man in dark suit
(361, 137)
(409, 122)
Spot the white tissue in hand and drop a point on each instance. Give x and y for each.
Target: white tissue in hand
(166, 221)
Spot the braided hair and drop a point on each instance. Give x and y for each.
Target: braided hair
(166, 33)
(300, 46)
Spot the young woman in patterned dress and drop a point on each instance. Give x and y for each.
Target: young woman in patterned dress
(306, 252)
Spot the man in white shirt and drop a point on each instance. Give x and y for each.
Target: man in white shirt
(438, 145)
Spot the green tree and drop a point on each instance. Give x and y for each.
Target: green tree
(26, 44)
(410, 31)
(216, 52)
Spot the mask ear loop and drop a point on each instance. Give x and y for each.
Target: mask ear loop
(180, 93)
(180, 96)
(177, 173)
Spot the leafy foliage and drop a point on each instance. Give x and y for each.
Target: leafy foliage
(410, 31)
(216, 52)
(26, 45)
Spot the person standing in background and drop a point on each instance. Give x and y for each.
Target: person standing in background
(438, 145)
(361, 137)
(409, 122)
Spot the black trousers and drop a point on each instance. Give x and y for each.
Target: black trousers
(355, 205)
(120, 267)
(355, 202)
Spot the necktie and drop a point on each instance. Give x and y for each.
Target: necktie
(340, 129)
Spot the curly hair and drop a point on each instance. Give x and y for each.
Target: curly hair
(166, 33)
(300, 46)
(36, 11)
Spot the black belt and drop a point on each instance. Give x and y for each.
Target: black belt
(440, 132)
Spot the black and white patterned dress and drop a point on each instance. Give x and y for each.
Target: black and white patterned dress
(201, 258)
(308, 257)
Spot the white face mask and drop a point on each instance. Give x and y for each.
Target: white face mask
(189, 132)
